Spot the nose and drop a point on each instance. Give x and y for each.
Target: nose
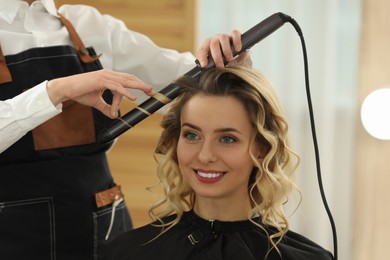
(207, 152)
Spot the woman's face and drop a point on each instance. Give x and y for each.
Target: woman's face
(213, 148)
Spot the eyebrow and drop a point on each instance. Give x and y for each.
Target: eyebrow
(219, 130)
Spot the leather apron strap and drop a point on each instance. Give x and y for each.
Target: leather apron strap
(82, 52)
(5, 75)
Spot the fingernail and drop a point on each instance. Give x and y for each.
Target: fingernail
(200, 63)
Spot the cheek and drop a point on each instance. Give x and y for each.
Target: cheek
(239, 160)
(185, 158)
(184, 153)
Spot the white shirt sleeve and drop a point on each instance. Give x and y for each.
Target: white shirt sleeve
(23, 113)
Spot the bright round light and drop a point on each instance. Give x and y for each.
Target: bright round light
(375, 113)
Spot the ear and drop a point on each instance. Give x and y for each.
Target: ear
(263, 151)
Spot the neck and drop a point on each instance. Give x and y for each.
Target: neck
(29, 1)
(213, 209)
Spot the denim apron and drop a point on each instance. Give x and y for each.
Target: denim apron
(54, 179)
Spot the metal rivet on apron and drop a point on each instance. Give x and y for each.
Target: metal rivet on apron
(84, 51)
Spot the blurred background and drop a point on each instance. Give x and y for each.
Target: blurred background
(348, 54)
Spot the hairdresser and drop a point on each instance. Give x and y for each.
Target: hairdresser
(63, 74)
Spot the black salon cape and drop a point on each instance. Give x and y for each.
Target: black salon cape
(197, 238)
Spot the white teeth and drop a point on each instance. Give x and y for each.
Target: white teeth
(209, 175)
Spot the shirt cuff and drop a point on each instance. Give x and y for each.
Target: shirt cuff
(32, 107)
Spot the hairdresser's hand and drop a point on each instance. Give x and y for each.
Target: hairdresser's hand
(219, 48)
(88, 88)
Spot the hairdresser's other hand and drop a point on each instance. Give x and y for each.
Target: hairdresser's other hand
(88, 88)
(219, 47)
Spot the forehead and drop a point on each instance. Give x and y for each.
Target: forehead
(218, 111)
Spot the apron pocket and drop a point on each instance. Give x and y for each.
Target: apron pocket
(103, 219)
(27, 229)
(73, 126)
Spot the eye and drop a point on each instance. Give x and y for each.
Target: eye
(228, 140)
(191, 136)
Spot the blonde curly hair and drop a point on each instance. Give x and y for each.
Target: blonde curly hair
(271, 180)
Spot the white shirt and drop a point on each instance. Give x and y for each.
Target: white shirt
(24, 27)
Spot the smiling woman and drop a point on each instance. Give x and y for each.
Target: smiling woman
(226, 169)
(217, 151)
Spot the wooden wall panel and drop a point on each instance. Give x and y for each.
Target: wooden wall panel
(171, 24)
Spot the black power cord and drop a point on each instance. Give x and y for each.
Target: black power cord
(314, 136)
